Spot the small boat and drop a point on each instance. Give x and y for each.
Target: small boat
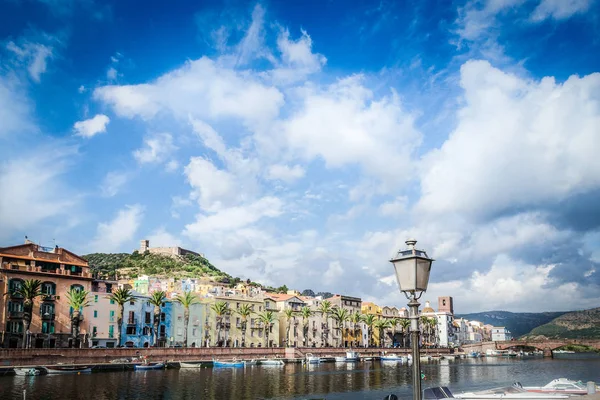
(509, 392)
(190, 365)
(271, 361)
(563, 352)
(425, 358)
(251, 362)
(27, 371)
(149, 366)
(560, 385)
(68, 369)
(368, 359)
(312, 359)
(391, 357)
(474, 354)
(352, 356)
(228, 364)
(340, 359)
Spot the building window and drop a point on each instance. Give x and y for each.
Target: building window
(47, 310)
(94, 331)
(48, 288)
(95, 313)
(48, 327)
(146, 330)
(112, 301)
(163, 317)
(95, 298)
(15, 285)
(15, 306)
(77, 288)
(131, 303)
(111, 331)
(194, 332)
(148, 318)
(130, 330)
(14, 326)
(111, 316)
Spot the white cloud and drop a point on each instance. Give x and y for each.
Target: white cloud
(477, 18)
(394, 208)
(251, 46)
(172, 166)
(35, 55)
(559, 9)
(161, 238)
(517, 143)
(111, 236)
(345, 125)
(35, 186)
(113, 182)
(81, 89)
(157, 147)
(285, 173)
(111, 74)
(297, 59)
(202, 89)
(15, 109)
(90, 127)
(212, 187)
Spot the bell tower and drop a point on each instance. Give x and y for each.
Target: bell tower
(445, 304)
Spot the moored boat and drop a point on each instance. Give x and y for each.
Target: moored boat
(340, 359)
(271, 361)
(312, 359)
(228, 364)
(27, 371)
(560, 385)
(183, 364)
(351, 356)
(509, 392)
(391, 357)
(68, 369)
(149, 366)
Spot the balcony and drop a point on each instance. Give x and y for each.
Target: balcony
(132, 321)
(50, 297)
(16, 295)
(16, 314)
(47, 316)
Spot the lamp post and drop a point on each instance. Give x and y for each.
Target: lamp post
(412, 269)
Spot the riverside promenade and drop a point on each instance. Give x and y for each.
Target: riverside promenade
(22, 357)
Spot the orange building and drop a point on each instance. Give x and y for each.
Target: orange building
(59, 270)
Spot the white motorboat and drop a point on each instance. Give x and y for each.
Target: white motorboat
(392, 358)
(340, 359)
(68, 369)
(351, 356)
(190, 364)
(27, 371)
(312, 359)
(563, 352)
(271, 361)
(509, 392)
(560, 385)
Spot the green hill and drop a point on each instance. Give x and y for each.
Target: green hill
(574, 325)
(517, 323)
(136, 264)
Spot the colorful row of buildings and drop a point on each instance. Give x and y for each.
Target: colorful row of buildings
(60, 270)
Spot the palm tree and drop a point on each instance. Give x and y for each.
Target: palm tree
(186, 300)
(244, 311)
(267, 318)
(325, 309)
(121, 296)
(29, 290)
(405, 324)
(77, 300)
(356, 318)
(306, 313)
(425, 328)
(221, 308)
(157, 298)
(382, 324)
(340, 315)
(369, 320)
(432, 329)
(289, 315)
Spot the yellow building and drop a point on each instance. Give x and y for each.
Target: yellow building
(232, 333)
(369, 308)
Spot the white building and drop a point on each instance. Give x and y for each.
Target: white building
(500, 334)
(445, 330)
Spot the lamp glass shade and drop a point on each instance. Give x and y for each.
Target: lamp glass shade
(412, 269)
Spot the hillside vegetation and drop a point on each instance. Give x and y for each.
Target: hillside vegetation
(136, 264)
(574, 325)
(517, 323)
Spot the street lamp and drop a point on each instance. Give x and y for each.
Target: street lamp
(412, 269)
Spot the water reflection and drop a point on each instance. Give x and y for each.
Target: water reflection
(370, 380)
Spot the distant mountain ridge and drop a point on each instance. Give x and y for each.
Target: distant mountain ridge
(518, 324)
(574, 325)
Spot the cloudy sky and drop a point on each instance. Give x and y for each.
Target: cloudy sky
(302, 142)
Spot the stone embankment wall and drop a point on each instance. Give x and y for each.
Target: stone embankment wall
(12, 357)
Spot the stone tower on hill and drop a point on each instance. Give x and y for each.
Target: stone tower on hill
(445, 304)
(165, 251)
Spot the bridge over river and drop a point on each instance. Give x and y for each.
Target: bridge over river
(547, 346)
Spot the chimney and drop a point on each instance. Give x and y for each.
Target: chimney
(144, 245)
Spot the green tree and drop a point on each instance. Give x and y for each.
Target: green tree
(405, 324)
(289, 315)
(267, 318)
(340, 316)
(356, 318)
(157, 298)
(244, 311)
(369, 320)
(29, 290)
(381, 324)
(221, 309)
(306, 313)
(121, 296)
(77, 300)
(325, 309)
(186, 300)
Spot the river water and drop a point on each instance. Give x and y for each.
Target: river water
(363, 380)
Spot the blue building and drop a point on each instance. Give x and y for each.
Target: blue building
(195, 329)
(137, 322)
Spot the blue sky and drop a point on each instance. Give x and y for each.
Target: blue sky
(303, 142)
